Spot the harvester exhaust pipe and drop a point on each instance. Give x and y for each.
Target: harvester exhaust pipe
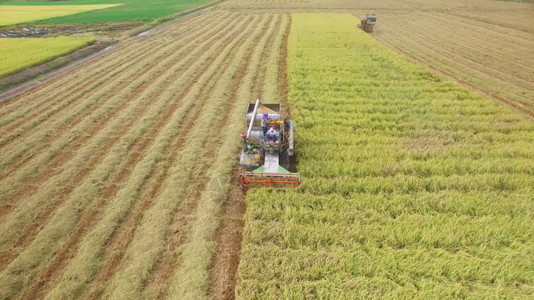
(253, 118)
(290, 150)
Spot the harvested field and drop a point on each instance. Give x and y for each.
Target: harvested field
(112, 176)
(483, 48)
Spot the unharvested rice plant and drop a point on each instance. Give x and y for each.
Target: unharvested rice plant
(413, 187)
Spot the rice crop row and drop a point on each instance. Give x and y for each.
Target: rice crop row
(111, 173)
(413, 186)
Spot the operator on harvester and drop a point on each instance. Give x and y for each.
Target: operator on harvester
(272, 134)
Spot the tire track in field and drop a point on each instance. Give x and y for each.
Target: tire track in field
(145, 203)
(63, 156)
(54, 137)
(501, 20)
(282, 73)
(33, 228)
(81, 110)
(128, 228)
(520, 100)
(483, 47)
(59, 160)
(166, 265)
(81, 114)
(88, 219)
(486, 46)
(96, 290)
(50, 97)
(475, 26)
(104, 86)
(472, 72)
(259, 79)
(229, 235)
(33, 99)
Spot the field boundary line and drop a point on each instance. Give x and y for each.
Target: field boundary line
(174, 19)
(61, 158)
(477, 65)
(145, 107)
(498, 98)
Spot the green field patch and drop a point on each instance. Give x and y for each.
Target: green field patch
(19, 54)
(128, 10)
(412, 186)
(16, 14)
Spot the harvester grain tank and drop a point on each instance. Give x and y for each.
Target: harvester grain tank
(367, 23)
(267, 147)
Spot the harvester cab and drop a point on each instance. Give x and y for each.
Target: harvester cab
(267, 147)
(367, 23)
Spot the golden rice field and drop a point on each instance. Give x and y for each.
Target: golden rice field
(16, 14)
(413, 186)
(17, 54)
(111, 177)
(415, 146)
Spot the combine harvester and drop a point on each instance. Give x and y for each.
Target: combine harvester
(267, 145)
(367, 23)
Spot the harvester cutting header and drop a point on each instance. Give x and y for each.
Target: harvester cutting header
(267, 146)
